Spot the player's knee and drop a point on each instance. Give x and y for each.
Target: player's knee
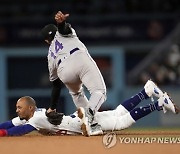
(77, 93)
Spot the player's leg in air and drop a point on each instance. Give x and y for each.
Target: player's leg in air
(126, 113)
(163, 103)
(150, 90)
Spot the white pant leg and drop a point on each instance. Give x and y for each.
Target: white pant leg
(120, 110)
(79, 98)
(96, 100)
(124, 121)
(106, 119)
(114, 120)
(80, 69)
(92, 79)
(68, 73)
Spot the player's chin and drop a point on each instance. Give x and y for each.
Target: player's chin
(21, 117)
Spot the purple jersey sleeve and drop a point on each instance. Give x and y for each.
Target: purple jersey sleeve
(6, 125)
(20, 130)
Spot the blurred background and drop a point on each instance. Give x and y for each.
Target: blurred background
(131, 41)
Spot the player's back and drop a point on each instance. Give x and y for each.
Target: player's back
(63, 45)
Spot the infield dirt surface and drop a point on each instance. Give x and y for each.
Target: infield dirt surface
(35, 143)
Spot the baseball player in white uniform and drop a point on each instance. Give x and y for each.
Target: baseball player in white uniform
(69, 61)
(31, 118)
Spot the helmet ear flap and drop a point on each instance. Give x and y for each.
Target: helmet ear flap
(48, 32)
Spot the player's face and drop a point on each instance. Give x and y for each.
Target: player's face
(23, 110)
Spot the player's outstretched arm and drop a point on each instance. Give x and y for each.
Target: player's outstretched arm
(6, 125)
(63, 27)
(17, 130)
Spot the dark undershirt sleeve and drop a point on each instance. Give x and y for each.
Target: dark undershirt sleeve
(56, 91)
(64, 28)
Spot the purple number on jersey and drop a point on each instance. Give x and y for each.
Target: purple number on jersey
(52, 55)
(58, 46)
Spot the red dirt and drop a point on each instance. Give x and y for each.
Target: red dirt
(35, 143)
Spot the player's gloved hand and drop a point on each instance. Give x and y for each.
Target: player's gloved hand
(60, 17)
(54, 117)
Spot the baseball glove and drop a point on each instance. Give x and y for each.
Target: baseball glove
(55, 118)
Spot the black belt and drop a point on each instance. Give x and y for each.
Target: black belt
(71, 52)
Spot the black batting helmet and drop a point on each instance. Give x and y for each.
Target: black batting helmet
(48, 32)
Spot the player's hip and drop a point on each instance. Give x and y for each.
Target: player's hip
(69, 55)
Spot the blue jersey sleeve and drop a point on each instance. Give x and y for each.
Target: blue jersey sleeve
(20, 130)
(6, 125)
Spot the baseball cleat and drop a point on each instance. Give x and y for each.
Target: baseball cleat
(96, 129)
(85, 127)
(90, 115)
(167, 104)
(152, 89)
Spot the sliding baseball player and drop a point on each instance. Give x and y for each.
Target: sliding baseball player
(31, 118)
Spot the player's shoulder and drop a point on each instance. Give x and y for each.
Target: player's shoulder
(40, 110)
(38, 115)
(17, 121)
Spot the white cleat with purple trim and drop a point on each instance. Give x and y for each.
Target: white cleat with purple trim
(152, 89)
(167, 104)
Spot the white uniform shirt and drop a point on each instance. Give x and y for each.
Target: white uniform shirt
(70, 125)
(117, 119)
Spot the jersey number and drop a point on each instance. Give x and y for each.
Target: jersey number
(58, 46)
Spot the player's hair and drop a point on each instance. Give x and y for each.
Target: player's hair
(29, 100)
(48, 32)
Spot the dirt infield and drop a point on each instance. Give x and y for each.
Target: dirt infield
(36, 143)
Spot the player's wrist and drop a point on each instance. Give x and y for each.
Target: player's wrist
(51, 110)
